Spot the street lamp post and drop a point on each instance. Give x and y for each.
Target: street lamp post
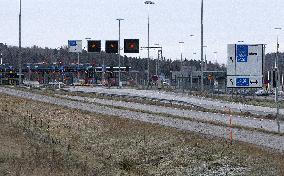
(119, 64)
(181, 48)
(201, 48)
(20, 44)
(148, 3)
(276, 67)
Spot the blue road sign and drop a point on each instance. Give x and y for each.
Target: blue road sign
(61, 68)
(242, 82)
(242, 53)
(72, 43)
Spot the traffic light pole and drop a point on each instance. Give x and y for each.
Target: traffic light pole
(119, 62)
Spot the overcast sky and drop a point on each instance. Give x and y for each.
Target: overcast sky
(50, 23)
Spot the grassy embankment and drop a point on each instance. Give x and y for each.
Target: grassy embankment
(43, 139)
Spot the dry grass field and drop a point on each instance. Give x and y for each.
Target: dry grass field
(42, 139)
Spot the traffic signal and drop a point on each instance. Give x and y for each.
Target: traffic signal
(111, 46)
(127, 69)
(94, 46)
(131, 45)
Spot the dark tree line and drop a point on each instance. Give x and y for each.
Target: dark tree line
(37, 54)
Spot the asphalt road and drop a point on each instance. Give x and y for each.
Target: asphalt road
(194, 100)
(249, 122)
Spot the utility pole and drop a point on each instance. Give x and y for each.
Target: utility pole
(20, 45)
(119, 62)
(202, 64)
(148, 3)
(277, 85)
(277, 82)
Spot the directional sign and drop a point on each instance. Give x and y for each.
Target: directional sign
(245, 65)
(75, 46)
(231, 65)
(250, 60)
(244, 82)
(242, 53)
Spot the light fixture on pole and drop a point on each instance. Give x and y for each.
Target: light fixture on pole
(181, 49)
(148, 3)
(119, 63)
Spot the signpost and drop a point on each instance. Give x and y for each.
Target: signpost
(75, 46)
(245, 66)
